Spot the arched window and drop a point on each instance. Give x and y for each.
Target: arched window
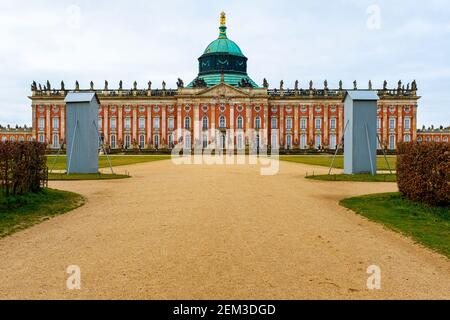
(187, 123)
(240, 122)
(187, 141)
(333, 143)
(156, 141)
(303, 141)
(170, 139)
(205, 123)
(258, 123)
(205, 141)
(222, 122)
(55, 141)
(142, 141)
(4, 139)
(12, 139)
(127, 141)
(289, 142)
(318, 141)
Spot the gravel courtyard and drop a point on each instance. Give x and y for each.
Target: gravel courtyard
(217, 232)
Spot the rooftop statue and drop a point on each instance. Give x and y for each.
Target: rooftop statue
(149, 85)
(296, 85)
(106, 85)
(414, 86)
(281, 85)
(265, 83)
(385, 85)
(34, 86)
(355, 85)
(77, 85)
(49, 87)
(135, 85)
(92, 85)
(340, 84)
(180, 83)
(120, 85)
(63, 86)
(311, 84)
(164, 85)
(399, 85)
(325, 84)
(370, 85)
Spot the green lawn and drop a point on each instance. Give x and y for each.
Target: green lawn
(20, 212)
(429, 226)
(356, 177)
(76, 177)
(325, 161)
(103, 162)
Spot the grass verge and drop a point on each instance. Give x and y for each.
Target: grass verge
(79, 177)
(429, 226)
(116, 161)
(325, 161)
(21, 212)
(356, 177)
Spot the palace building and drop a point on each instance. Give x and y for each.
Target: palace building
(223, 99)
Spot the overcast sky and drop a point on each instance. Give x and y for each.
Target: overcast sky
(146, 40)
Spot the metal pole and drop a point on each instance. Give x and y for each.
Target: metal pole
(384, 153)
(103, 147)
(57, 157)
(337, 149)
(71, 147)
(370, 153)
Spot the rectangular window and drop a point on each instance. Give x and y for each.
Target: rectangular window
(100, 123)
(171, 123)
(141, 123)
(156, 123)
(274, 123)
(55, 123)
(333, 124)
(41, 138)
(289, 124)
(113, 123)
(407, 138)
(392, 123)
(41, 123)
(318, 123)
(379, 123)
(407, 123)
(127, 123)
(392, 142)
(303, 123)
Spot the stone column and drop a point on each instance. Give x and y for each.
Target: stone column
(414, 123)
(400, 124)
(311, 125)
(296, 125)
(196, 125)
(34, 122)
(163, 127)
(48, 127)
(135, 124)
(106, 124)
(120, 125)
(266, 125)
(149, 125)
(325, 125)
(282, 126)
(385, 136)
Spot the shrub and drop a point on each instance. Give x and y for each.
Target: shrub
(423, 171)
(23, 167)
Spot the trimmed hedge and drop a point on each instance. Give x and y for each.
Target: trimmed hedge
(23, 167)
(423, 171)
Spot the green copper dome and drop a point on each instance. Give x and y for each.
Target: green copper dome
(224, 45)
(224, 61)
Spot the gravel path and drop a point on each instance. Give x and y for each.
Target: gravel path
(217, 232)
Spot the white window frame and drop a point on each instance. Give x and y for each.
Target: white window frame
(141, 123)
(318, 123)
(289, 123)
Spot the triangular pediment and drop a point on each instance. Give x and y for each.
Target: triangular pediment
(223, 90)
